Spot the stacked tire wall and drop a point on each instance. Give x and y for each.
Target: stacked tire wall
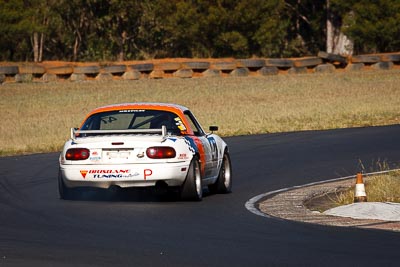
(192, 68)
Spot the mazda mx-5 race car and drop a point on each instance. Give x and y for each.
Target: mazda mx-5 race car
(145, 145)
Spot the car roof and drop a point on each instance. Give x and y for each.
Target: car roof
(141, 105)
(174, 108)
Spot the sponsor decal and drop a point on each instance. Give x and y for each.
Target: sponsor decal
(83, 173)
(196, 146)
(183, 156)
(95, 156)
(180, 124)
(191, 144)
(131, 110)
(214, 148)
(109, 174)
(147, 172)
(110, 171)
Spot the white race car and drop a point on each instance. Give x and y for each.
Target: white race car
(145, 145)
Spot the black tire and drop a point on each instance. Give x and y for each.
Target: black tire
(387, 65)
(307, 62)
(87, 69)
(223, 184)
(9, 70)
(390, 57)
(224, 66)
(332, 57)
(114, 69)
(268, 71)
(157, 74)
(252, 63)
(31, 69)
(63, 190)
(240, 72)
(196, 65)
(142, 67)
(23, 78)
(325, 68)
(192, 188)
(299, 70)
(131, 75)
(355, 67)
(61, 70)
(169, 66)
(279, 62)
(212, 73)
(365, 59)
(183, 73)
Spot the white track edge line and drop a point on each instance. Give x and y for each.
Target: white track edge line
(252, 203)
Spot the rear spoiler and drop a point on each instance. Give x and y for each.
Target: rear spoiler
(162, 131)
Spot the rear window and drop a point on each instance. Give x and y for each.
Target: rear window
(134, 119)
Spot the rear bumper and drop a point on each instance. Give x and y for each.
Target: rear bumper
(129, 175)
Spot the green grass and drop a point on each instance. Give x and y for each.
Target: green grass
(36, 117)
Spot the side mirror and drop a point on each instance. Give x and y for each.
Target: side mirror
(213, 128)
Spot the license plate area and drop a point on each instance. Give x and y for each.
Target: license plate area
(117, 154)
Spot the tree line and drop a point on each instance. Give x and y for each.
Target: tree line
(116, 30)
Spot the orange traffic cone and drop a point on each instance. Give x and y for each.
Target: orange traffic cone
(359, 194)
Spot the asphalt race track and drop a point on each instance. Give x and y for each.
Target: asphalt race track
(137, 228)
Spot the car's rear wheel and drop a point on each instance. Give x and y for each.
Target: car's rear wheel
(63, 190)
(224, 181)
(192, 188)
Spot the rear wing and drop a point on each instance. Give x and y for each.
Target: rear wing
(75, 132)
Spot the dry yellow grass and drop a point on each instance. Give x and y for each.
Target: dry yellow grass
(36, 117)
(380, 188)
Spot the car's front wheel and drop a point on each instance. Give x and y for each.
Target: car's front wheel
(192, 188)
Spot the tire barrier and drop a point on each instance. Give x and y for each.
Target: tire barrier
(307, 62)
(60, 70)
(146, 67)
(251, 63)
(325, 68)
(198, 66)
(87, 70)
(324, 62)
(365, 59)
(9, 70)
(168, 66)
(224, 66)
(264, 71)
(114, 69)
(31, 69)
(183, 73)
(333, 58)
(280, 63)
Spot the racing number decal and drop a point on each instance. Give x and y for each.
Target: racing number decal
(214, 148)
(207, 150)
(108, 119)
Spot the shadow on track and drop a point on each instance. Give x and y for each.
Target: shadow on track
(117, 194)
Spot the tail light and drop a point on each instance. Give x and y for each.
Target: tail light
(161, 152)
(77, 154)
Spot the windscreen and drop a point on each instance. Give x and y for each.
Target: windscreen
(134, 119)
